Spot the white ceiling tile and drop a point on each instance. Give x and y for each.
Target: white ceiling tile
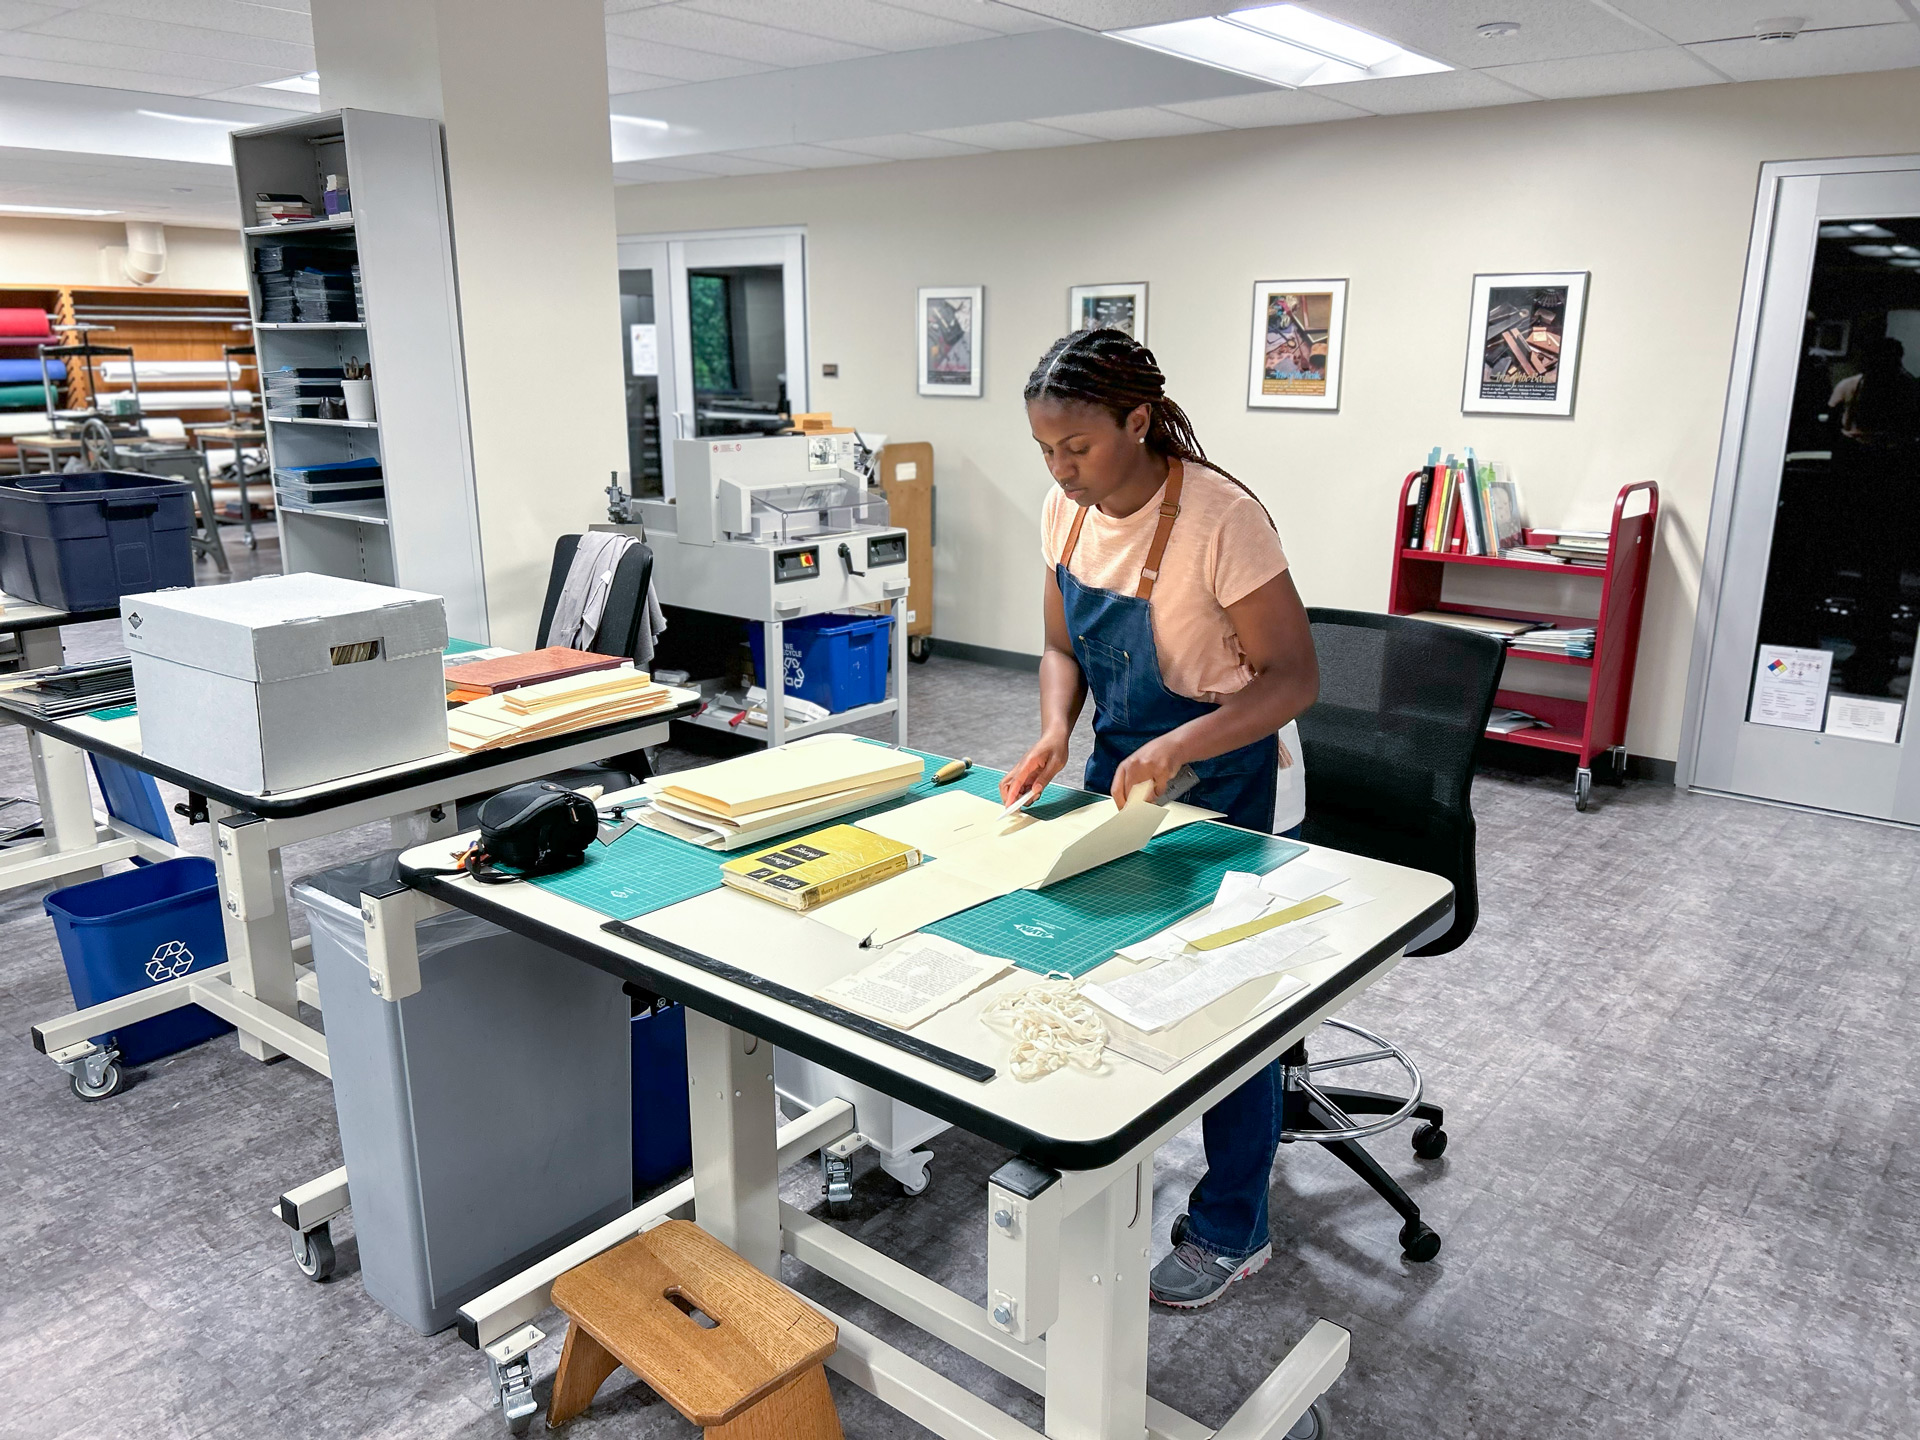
(905, 147)
(235, 16)
(806, 157)
(1819, 52)
(1549, 29)
(15, 13)
(632, 82)
(1637, 70)
(1272, 107)
(682, 65)
(163, 39)
(647, 171)
(1003, 19)
(1414, 94)
(736, 39)
(621, 7)
(866, 23)
(722, 164)
(1011, 135)
(175, 192)
(168, 72)
(1686, 20)
(1143, 122)
(1120, 14)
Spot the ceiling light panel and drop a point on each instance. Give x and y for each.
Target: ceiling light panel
(1283, 45)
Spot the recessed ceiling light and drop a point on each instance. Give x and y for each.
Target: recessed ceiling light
(1906, 262)
(1903, 250)
(1872, 252)
(1283, 45)
(1497, 29)
(307, 84)
(1868, 228)
(52, 210)
(643, 121)
(1836, 232)
(190, 119)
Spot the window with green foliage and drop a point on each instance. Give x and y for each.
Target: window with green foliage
(712, 316)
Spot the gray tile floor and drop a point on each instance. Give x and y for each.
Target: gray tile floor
(1680, 1199)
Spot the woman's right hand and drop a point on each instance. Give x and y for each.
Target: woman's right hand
(1046, 759)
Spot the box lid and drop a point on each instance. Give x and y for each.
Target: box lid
(281, 626)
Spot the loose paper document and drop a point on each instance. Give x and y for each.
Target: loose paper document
(914, 982)
(1174, 989)
(1299, 881)
(1860, 718)
(1790, 687)
(1239, 899)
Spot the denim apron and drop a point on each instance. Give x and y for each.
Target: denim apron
(1113, 641)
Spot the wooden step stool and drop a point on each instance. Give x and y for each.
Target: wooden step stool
(754, 1374)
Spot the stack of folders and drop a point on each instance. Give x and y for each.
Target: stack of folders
(559, 707)
(808, 872)
(63, 690)
(1505, 722)
(750, 800)
(277, 266)
(321, 296)
(295, 391)
(1479, 498)
(1499, 627)
(331, 483)
(272, 209)
(516, 672)
(1575, 643)
(1581, 547)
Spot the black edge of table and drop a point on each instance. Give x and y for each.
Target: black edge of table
(351, 790)
(10, 624)
(1046, 1150)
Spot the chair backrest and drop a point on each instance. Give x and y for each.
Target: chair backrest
(626, 613)
(1389, 746)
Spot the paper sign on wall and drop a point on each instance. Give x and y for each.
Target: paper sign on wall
(1790, 687)
(1859, 717)
(645, 341)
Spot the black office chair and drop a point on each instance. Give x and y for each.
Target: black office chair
(623, 625)
(1389, 752)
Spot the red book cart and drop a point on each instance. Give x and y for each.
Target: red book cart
(1582, 728)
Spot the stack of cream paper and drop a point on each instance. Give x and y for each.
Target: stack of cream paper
(737, 803)
(975, 856)
(577, 702)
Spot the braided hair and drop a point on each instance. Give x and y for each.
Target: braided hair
(1111, 369)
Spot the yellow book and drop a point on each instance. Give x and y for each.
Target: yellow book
(816, 868)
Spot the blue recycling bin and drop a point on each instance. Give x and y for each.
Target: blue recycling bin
(662, 1129)
(133, 929)
(837, 661)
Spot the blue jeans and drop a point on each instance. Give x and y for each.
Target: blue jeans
(1227, 1211)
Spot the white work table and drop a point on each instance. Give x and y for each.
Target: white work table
(261, 985)
(1068, 1223)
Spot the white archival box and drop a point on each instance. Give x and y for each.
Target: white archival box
(252, 686)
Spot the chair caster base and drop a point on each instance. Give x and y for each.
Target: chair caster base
(1418, 1241)
(1429, 1142)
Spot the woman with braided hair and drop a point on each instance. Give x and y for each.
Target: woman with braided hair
(1169, 602)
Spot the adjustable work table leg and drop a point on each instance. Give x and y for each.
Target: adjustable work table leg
(66, 804)
(736, 1163)
(1097, 1348)
(253, 901)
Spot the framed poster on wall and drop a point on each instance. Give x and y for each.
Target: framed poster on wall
(1523, 344)
(1109, 307)
(1299, 329)
(949, 339)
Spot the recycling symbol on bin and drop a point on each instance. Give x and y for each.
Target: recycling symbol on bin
(171, 959)
(794, 673)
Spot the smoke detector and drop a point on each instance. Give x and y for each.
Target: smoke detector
(1779, 30)
(1497, 29)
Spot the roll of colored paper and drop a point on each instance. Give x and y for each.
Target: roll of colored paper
(14, 321)
(21, 371)
(25, 397)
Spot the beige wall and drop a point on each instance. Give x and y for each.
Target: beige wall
(68, 252)
(1652, 193)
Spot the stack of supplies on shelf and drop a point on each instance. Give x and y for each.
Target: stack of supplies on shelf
(278, 267)
(331, 483)
(515, 672)
(1498, 626)
(558, 707)
(322, 296)
(1580, 547)
(1506, 721)
(272, 209)
(801, 874)
(756, 797)
(1463, 507)
(63, 690)
(295, 391)
(1575, 642)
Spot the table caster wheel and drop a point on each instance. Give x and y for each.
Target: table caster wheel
(920, 649)
(313, 1253)
(926, 1179)
(106, 1084)
(1418, 1242)
(1429, 1142)
(1316, 1424)
(1582, 789)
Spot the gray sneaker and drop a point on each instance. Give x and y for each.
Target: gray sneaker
(1192, 1276)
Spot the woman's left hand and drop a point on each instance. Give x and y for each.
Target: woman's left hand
(1156, 761)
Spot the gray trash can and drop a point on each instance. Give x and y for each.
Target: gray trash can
(487, 1120)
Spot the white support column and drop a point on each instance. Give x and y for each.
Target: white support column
(1097, 1349)
(253, 904)
(66, 804)
(736, 1164)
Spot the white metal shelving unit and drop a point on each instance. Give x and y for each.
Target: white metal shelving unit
(425, 534)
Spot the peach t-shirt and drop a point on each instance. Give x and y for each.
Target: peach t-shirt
(1222, 549)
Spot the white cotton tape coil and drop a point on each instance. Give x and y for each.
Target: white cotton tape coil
(1052, 1025)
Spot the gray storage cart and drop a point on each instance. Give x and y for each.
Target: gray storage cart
(485, 1121)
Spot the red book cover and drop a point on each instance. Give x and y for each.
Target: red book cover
(510, 672)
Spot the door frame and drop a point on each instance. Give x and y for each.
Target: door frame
(1733, 430)
(676, 322)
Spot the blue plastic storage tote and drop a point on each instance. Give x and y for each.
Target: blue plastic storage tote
(838, 661)
(130, 930)
(81, 541)
(662, 1130)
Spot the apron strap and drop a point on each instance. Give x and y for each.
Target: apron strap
(1073, 535)
(1169, 512)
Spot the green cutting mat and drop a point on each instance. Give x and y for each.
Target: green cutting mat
(1075, 925)
(646, 870)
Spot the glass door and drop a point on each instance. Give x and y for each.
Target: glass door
(1812, 651)
(725, 317)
